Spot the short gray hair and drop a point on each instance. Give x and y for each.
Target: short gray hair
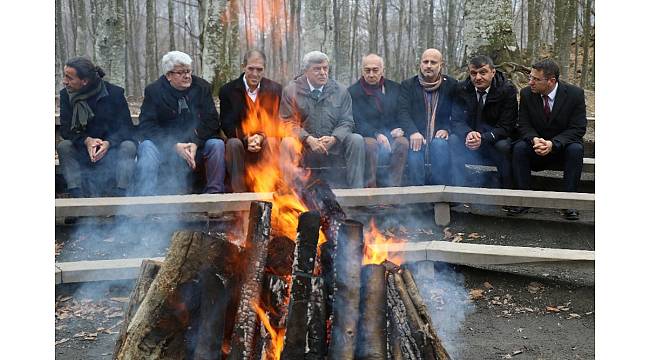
(313, 57)
(174, 58)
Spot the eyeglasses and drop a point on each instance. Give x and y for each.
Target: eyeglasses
(182, 72)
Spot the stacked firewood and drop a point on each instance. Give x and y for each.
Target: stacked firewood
(275, 298)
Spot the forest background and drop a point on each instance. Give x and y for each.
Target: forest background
(127, 38)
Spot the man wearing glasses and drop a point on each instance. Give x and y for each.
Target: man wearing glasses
(552, 122)
(178, 128)
(374, 106)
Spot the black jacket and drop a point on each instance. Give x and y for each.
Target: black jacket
(412, 110)
(161, 124)
(112, 120)
(568, 121)
(233, 105)
(499, 113)
(368, 120)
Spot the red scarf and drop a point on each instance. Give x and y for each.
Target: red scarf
(374, 90)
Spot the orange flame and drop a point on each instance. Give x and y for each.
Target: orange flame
(277, 337)
(376, 245)
(266, 175)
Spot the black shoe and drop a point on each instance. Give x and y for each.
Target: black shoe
(571, 214)
(516, 210)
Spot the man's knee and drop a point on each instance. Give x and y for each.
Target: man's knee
(503, 146)
(521, 148)
(65, 147)
(371, 145)
(400, 145)
(148, 153)
(574, 151)
(127, 149)
(214, 147)
(234, 145)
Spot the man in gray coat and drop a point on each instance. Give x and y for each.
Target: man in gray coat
(319, 111)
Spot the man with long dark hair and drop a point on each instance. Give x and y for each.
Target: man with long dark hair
(97, 153)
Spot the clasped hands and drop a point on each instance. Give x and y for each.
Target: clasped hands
(542, 146)
(417, 140)
(96, 148)
(321, 145)
(188, 152)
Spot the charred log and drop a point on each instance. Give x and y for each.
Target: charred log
(148, 271)
(371, 343)
(280, 256)
(317, 321)
(301, 278)
(403, 341)
(246, 329)
(347, 276)
(157, 329)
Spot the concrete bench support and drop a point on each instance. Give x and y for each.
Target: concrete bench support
(442, 214)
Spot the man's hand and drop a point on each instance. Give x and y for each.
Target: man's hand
(541, 146)
(416, 140)
(96, 148)
(255, 143)
(396, 132)
(187, 151)
(442, 134)
(383, 141)
(327, 141)
(473, 140)
(315, 145)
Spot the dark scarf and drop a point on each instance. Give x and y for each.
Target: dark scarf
(431, 103)
(81, 111)
(377, 91)
(176, 100)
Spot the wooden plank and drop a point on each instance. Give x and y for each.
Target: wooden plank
(217, 203)
(100, 270)
(530, 198)
(478, 254)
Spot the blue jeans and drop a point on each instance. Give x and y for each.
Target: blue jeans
(178, 175)
(437, 152)
(497, 153)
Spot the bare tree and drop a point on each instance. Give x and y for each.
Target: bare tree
(170, 24)
(60, 56)
(82, 28)
(586, 44)
(564, 14)
(490, 33)
(110, 44)
(151, 55)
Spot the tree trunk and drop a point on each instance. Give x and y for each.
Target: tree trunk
(490, 33)
(385, 34)
(110, 44)
(373, 26)
(82, 28)
(212, 40)
(396, 72)
(315, 34)
(451, 32)
(151, 57)
(354, 47)
(132, 54)
(170, 25)
(563, 30)
(586, 44)
(60, 56)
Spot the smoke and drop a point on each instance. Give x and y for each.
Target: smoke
(445, 295)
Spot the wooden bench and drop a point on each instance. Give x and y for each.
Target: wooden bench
(439, 195)
(455, 253)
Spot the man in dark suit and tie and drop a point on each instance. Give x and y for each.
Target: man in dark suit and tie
(552, 122)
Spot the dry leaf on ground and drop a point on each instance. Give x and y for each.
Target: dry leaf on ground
(473, 236)
(476, 294)
(534, 287)
(447, 233)
(487, 285)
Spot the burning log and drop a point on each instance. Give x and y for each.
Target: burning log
(371, 343)
(301, 289)
(316, 321)
(347, 276)
(148, 271)
(257, 239)
(157, 329)
(280, 256)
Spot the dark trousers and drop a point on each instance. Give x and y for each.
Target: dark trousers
(497, 154)
(524, 159)
(238, 158)
(437, 152)
(395, 158)
(350, 151)
(106, 177)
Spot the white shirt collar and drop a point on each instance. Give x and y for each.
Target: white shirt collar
(248, 89)
(551, 95)
(486, 90)
(312, 88)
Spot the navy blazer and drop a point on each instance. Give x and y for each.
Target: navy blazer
(232, 103)
(412, 111)
(568, 120)
(112, 120)
(368, 120)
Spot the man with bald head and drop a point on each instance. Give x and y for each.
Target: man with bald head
(425, 103)
(374, 108)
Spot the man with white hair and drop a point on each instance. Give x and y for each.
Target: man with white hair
(374, 107)
(319, 111)
(178, 126)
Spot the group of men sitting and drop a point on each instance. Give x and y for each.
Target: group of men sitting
(430, 124)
